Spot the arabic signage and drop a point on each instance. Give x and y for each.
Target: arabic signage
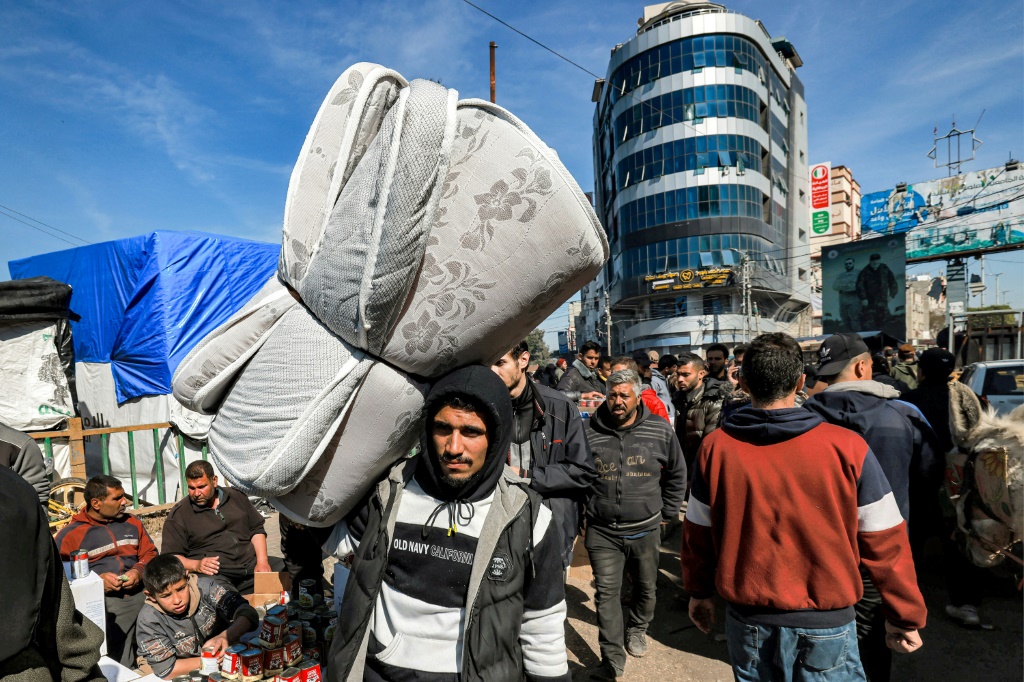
(968, 212)
(693, 278)
(821, 198)
(864, 287)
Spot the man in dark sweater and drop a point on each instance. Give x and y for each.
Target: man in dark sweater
(906, 449)
(581, 380)
(640, 486)
(784, 509)
(216, 531)
(549, 448)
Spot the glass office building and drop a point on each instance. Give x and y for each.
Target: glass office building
(700, 160)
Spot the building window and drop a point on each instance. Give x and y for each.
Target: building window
(689, 154)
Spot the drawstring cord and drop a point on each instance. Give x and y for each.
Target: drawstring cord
(459, 511)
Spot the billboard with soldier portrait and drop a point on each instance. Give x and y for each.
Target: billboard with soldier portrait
(863, 286)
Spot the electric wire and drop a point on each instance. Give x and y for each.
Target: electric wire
(36, 220)
(38, 229)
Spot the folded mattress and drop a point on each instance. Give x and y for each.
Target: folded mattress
(204, 376)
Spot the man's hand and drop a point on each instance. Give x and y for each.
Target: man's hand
(132, 578)
(733, 375)
(220, 644)
(208, 565)
(262, 567)
(592, 395)
(702, 613)
(111, 583)
(902, 641)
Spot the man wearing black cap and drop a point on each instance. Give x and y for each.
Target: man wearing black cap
(456, 565)
(904, 445)
(876, 285)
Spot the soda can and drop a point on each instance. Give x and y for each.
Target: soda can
(208, 660)
(231, 664)
(79, 564)
(310, 671)
(307, 593)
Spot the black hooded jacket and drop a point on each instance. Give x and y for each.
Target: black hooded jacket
(896, 432)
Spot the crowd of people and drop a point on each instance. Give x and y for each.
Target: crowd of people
(794, 486)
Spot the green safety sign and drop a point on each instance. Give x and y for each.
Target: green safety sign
(820, 222)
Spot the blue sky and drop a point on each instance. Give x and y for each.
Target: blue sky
(123, 117)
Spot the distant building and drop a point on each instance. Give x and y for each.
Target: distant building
(845, 227)
(700, 144)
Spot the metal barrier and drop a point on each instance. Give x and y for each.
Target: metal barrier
(76, 436)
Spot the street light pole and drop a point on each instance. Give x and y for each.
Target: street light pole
(608, 321)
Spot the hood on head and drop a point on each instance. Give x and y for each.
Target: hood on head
(482, 386)
(767, 427)
(857, 406)
(866, 386)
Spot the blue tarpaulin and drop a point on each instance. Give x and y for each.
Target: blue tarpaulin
(144, 302)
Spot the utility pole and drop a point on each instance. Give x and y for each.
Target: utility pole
(745, 271)
(494, 95)
(982, 259)
(757, 322)
(608, 321)
(997, 276)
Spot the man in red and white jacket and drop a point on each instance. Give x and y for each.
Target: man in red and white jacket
(784, 509)
(119, 549)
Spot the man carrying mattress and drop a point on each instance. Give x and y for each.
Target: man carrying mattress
(456, 563)
(549, 448)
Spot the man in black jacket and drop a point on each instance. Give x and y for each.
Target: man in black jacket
(904, 445)
(699, 405)
(549, 448)
(456, 564)
(581, 380)
(640, 486)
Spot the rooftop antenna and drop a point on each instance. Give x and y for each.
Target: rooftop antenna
(956, 148)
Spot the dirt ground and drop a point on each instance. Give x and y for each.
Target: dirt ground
(678, 651)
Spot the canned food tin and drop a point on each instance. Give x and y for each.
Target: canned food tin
(289, 675)
(292, 649)
(196, 676)
(181, 678)
(272, 631)
(310, 672)
(313, 653)
(273, 660)
(308, 634)
(231, 664)
(295, 628)
(79, 564)
(208, 662)
(216, 677)
(307, 592)
(332, 625)
(278, 611)
(252, 664)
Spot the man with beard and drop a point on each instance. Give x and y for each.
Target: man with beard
(640, 486)
(548, 448)
(581, 380)
(849, 303)
(216, 531)
(876, 285)
(715, 360)
(456, 563)
(119, 549)
(699, 405)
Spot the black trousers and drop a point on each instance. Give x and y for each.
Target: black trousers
(608, 555)
(874, 654)
(303, 557)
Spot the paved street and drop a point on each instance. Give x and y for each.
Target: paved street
(678, 651)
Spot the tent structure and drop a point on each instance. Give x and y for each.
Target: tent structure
(138, 306)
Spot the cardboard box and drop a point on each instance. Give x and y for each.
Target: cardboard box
(88, 594)
(267, 586)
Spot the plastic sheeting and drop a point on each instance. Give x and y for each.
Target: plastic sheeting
(35, 393)
(144, 302)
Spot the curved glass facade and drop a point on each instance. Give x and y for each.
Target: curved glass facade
(689, 154)
(713, 250)
(687, 54)
(711, 201)
(687, 105)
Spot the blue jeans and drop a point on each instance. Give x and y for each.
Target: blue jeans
(781, 654)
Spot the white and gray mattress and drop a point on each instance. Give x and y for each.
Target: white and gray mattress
(421, 233)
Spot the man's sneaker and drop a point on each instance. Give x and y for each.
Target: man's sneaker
(636, 644)
(966, 614)
(606, 672)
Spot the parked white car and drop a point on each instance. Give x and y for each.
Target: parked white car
(1000, 383)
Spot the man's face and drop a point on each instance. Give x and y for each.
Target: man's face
(669, 371)
(590, 359)
(175, 598)
(622, 402)
(606, 368)
(848, 264)
(716, 361)
(512, 370)
(202, 491)
(113, 506)
(460, 443)
(688, 377)
(875, 264)
(737, 359)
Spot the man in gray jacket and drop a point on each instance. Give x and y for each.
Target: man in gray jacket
(581, 380)
(20, 453)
